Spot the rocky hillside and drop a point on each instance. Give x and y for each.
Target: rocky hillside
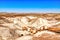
(29, 26)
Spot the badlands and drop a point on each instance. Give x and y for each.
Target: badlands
(29, 26)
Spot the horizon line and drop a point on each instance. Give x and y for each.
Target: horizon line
(31, 10)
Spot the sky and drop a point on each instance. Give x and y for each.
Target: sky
(29, 5)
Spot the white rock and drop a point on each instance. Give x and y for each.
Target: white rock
(43, 32)
(22, 32)
(24, 38)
